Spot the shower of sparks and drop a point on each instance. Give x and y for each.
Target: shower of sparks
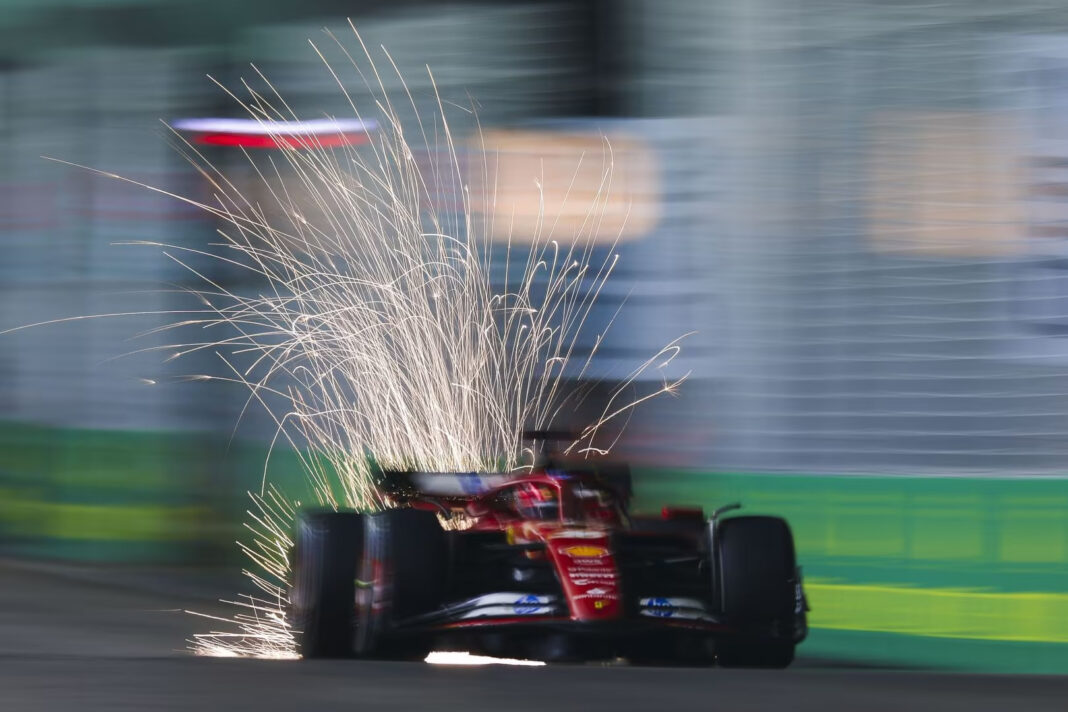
(376, 336)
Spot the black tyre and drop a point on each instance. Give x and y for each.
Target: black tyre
(328, 548)
(420, 557)
(414, 555)
(757, 566)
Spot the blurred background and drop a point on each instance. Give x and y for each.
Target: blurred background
(861, 208)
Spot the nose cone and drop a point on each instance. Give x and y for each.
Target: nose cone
(588, 574)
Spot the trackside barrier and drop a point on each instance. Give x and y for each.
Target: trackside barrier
(959, 572)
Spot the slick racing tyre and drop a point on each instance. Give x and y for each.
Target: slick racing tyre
(328, 548)
(757, 570)
(408, 562)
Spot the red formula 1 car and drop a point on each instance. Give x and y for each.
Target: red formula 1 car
(546, 565)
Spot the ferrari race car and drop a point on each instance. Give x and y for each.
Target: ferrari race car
(549, 565)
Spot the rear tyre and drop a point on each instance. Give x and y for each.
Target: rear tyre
(323, 596)
(412, 551)
(758, 591)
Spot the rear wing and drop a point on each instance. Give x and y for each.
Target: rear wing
(614, 476)
(407, 484)
(449, 485)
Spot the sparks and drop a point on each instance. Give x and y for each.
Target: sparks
(376, 332)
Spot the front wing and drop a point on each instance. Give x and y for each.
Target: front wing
(516, 609)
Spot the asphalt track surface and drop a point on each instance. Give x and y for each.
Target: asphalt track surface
(76, 642)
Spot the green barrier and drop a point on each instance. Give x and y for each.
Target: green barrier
(131, 497)
(940, 612)
(102, 495)
(958, 572)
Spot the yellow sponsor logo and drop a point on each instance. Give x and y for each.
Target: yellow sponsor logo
(585, 551)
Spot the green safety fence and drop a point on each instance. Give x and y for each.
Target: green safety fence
(958, 572)
(127, 496)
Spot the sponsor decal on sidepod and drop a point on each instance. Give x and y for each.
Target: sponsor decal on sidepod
(661, 607)
(581, 576)
(688, 608)
(505, 604)
(527, 605)
(585, 551)
(577, 534)
(599, 595)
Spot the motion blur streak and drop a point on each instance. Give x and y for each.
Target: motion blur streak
(1039, 617)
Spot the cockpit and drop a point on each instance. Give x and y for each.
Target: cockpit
(566, 500)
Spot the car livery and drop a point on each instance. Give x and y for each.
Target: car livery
(548, 564)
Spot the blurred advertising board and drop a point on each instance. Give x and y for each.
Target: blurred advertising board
(945, 183)
(566, 184)
(642, 189)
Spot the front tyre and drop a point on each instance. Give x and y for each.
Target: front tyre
(326, 553)
(758, 570)
(408, 562)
